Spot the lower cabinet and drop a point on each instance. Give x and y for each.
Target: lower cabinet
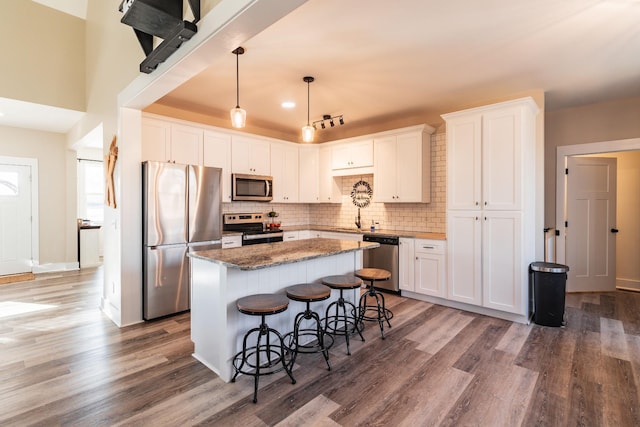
(290, 236)
(429, 271)
(406, 263)
(234, 241)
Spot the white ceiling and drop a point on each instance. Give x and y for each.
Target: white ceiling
(375, 61)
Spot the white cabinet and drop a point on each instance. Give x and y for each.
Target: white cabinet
(284, 169)
(156, 140)
(329, 185)
(186, 144)
(307, 234)
(402, 172)
(89, 247)
(352, 155)
(406, 264)
(216, 152)
(232, 241)
(309, 191)
(492, 192)
(250, 155)
(290, 236)
(429, 273)
(165, 141)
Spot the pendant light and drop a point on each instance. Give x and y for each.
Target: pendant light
(238, 115)
(307, 131)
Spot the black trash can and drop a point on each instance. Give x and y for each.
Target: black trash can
(549, 283)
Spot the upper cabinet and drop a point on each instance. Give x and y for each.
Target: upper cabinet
(284, 169)
(484, 159)
(216, 152)
(250, 155)
(402, 172)
(171, 142)
(309, 173)
(347, 158)
(329, 185)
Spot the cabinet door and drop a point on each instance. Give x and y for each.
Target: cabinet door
(411, 165)
(309, 191)
(284, 168)
(464, 281)
(216, 152)
(386, 170)
(464, 162)
(250, 156)
(502, 159)
(186, 145)
(341, 157)
(406, 271)
(502, 257)
(361, 153)
(329, 186)
(156, 137)
(429, 275)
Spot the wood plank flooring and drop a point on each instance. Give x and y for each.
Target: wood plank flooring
(62, 362)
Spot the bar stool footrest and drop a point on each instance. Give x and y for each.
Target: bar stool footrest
(270, 366)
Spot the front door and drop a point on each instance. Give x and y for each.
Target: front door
(591, 217)
(15, 219)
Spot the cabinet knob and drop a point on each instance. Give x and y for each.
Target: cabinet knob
(485, 203)
(477, 203)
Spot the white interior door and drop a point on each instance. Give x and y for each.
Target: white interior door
(591, 217)
(15, 219)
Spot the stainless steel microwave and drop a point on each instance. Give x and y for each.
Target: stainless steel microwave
(257, 188)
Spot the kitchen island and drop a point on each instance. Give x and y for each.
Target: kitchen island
(219, 277)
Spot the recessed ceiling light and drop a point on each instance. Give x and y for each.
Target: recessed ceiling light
(288, 104)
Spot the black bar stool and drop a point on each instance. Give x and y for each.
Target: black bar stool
(345, 319)
(308, 340)
(382, 313)
(263, 358)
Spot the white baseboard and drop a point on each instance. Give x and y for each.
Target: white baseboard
(57, 266)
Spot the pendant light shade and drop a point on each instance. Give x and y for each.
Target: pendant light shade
(238, 115)
(308, 130)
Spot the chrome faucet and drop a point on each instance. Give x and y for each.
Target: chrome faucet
(358, 222)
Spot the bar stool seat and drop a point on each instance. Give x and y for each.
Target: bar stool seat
(344, 321)
(263, 358)
(310, 339)
(380, 312)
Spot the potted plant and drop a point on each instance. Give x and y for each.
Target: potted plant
(273, 225)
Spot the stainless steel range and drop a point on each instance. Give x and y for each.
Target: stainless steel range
(252, 228)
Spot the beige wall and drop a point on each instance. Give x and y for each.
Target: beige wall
(49, 149)
(43, 55)
(607, 121)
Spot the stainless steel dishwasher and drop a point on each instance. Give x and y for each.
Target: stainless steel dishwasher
(385, 257)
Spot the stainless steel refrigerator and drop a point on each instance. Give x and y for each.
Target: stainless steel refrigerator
(181, 210)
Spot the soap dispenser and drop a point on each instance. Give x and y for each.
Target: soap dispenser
(373, 226)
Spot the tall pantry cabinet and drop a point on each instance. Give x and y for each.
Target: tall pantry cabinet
(491, 198)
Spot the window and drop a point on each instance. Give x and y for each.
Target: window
(91, 190)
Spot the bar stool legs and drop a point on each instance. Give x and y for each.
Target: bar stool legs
(319, 346)
(382, 313)
(350, 323)
(264, 358)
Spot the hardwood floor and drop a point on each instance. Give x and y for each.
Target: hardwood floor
(64, 363)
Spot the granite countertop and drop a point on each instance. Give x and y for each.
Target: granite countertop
(254, 257)
(382, 232)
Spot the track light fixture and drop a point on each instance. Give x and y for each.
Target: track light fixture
(308, 130)
(238, 115)
(330, 119)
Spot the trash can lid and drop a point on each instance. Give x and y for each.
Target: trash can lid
(549, 267)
